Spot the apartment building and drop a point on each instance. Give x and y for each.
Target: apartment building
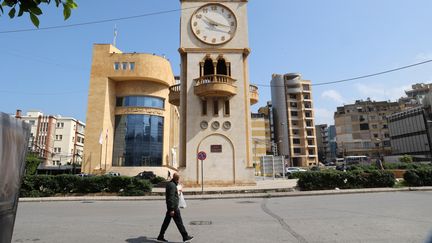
(260, 136)
(415, 95)
(293, 117)
(322, 138)
(58, 140)
(362, 128)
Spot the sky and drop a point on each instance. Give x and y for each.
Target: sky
(49, 70)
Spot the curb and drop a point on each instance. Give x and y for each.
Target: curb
(269, 194)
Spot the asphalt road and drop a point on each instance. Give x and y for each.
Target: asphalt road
(371, 217)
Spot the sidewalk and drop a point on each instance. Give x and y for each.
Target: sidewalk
(263, 189)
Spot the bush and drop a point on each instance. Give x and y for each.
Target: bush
(327, 180)
(157, 180)
(406, 166)
(118, 183)
(419, 177)
(45, 186)
(406, 159)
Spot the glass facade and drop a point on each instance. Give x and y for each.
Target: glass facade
(141, 101)
(138, 140)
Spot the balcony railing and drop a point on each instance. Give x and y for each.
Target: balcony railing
(174, 95)
(253, 91)
(215, 86)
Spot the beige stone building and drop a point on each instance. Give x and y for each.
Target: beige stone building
(362, 128)
(293, 117)
(131, 126)
(215, 94)
(260, 136)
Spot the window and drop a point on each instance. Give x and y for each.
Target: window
(308, 123)
(293, 96)
(116, 66)
(204, 107)
(208, 67)
(306, 97)
(310, 142)
(385, 126)
(311, 151)
(364, 126)
(375, 135)
(297, 150)
(227, 108)
(138, 140)
(215, 107)
(293, 104)
(221, 67)
(140, 101)
(296, 141)
(386, 135)
(308, 114)
(294, 113)
(124, 65)
(132, 66)
(374, 126)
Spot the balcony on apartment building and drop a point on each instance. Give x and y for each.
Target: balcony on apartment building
(253, 91)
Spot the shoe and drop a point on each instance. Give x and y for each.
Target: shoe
(188, 238)
(161, 239)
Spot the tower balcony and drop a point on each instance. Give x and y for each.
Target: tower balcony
(215, 85)
(174, 95)
(253, 91)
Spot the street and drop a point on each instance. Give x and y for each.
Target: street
(366, 217)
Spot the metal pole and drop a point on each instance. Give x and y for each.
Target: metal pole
(273, 167)
(106, 153)
(100, 160)
(202, 177)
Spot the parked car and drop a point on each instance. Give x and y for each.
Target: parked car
(147, 175)
(290, 170)
(113, 173)
(83, 175)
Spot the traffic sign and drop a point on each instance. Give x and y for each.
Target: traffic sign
(202, 155)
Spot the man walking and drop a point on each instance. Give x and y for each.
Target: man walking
(173, 211)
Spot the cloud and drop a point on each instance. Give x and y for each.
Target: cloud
(381, 92)
(323, 116)
(423, 57)
(333, 95)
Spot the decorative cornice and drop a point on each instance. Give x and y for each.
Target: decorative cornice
(139, 110)
(245, 51)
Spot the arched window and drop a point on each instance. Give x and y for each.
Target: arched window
(208, 67)
(222, 67)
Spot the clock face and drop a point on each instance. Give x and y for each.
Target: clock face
(214, 24)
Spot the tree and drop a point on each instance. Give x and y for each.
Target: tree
(406, 159)
(32, 7)
(32, 163)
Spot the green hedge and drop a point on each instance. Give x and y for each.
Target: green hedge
(406, 166)
(419, 177)
(327, 180)
(48, 185)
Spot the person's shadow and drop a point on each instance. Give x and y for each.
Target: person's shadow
(145, 239)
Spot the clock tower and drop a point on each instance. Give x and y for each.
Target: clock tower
(214, 93)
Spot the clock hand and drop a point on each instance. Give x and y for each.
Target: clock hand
(215, 23)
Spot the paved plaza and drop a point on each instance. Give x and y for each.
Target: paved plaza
(365, 217)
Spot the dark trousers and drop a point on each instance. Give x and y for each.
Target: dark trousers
(178, 221)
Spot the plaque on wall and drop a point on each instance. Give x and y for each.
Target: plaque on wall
(216, 148)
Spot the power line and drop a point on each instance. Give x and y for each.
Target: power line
(359, 77)
(97, 21)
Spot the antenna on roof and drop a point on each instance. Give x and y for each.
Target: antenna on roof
(115, 35)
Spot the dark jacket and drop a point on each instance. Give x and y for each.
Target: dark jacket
(171, 196)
